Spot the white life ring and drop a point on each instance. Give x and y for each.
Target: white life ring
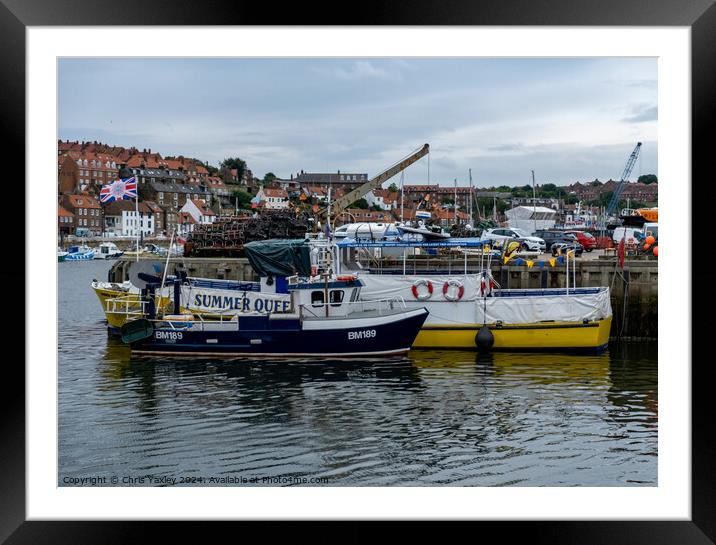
(424, 295)
(456, 295)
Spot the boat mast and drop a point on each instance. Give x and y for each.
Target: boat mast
(402, 178)
(472, 222)
(534, 201)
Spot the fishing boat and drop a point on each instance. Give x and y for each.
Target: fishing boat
(464, 304)
(79, 253)
(321, 321)
(107, 250)
(210, 298)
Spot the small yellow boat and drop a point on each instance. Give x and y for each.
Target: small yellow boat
(121, 302)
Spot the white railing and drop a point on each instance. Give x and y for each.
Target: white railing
(130, 305)
(378, 305)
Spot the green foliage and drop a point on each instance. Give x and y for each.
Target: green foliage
(570, 199)
(377, 208)
(242, 198)
(486, 204)
(360, 203)
(237, 163)
(648, 178)
(269, 177)
(548, 190)
(595, 183)
(393, 188)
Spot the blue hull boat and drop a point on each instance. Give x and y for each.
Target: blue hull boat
(368, 334)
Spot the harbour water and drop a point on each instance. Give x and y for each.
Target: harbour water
(432, 418)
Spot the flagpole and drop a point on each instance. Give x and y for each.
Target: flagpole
(136, 208)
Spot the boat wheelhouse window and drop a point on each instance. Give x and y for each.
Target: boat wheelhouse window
(317, 298)
(335, 297)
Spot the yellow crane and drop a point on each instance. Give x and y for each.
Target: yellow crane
(340, 204)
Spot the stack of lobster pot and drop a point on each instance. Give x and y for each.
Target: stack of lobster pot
(226, 236)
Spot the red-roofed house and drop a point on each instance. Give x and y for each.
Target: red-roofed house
(274, 199)
(87, 212)
(185, 223)
(199, 211)
(121, 219)
(68, 176)
(65, 221)
(386, 200)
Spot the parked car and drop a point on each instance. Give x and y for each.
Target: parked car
(563, 247)
(585, 239)
(551, 236)
(503, 235)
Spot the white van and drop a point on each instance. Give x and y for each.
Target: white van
(627, 233)
(651, 229)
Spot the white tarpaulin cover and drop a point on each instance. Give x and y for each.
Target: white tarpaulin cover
(521, 308)
(531, 218)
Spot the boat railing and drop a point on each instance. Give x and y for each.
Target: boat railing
(380, 306)
(128, 305)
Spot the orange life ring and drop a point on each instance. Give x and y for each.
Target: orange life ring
(346, 278)
(422, 282)
(460, 290)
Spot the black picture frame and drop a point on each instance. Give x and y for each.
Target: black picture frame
(699, 15)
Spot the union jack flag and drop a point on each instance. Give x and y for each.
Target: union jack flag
(118, 190)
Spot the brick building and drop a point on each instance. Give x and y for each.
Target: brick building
(87, 212)
(65, 221)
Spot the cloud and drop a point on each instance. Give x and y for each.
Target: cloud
(363, 70)
(501, 118)
(642, 114)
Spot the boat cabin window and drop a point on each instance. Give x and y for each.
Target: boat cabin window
(335, 297)
(317, 298)
(354, 295)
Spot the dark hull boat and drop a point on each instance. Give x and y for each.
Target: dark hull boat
(284, 335)
(325, 318)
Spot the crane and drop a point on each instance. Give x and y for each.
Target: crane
(622, 183)
(337, 207)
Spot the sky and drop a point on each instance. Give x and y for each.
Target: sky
(567, 119)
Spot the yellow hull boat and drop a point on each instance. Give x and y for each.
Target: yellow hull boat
(542, 336)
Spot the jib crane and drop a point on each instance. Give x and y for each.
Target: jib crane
(622, 183)
(340, 204)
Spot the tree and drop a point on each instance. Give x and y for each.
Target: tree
(360, 203)
(595, 183)
(269, 177)
(241, 198)
(548, 190)
(648, 179)
(238, 164)
(393, 188)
